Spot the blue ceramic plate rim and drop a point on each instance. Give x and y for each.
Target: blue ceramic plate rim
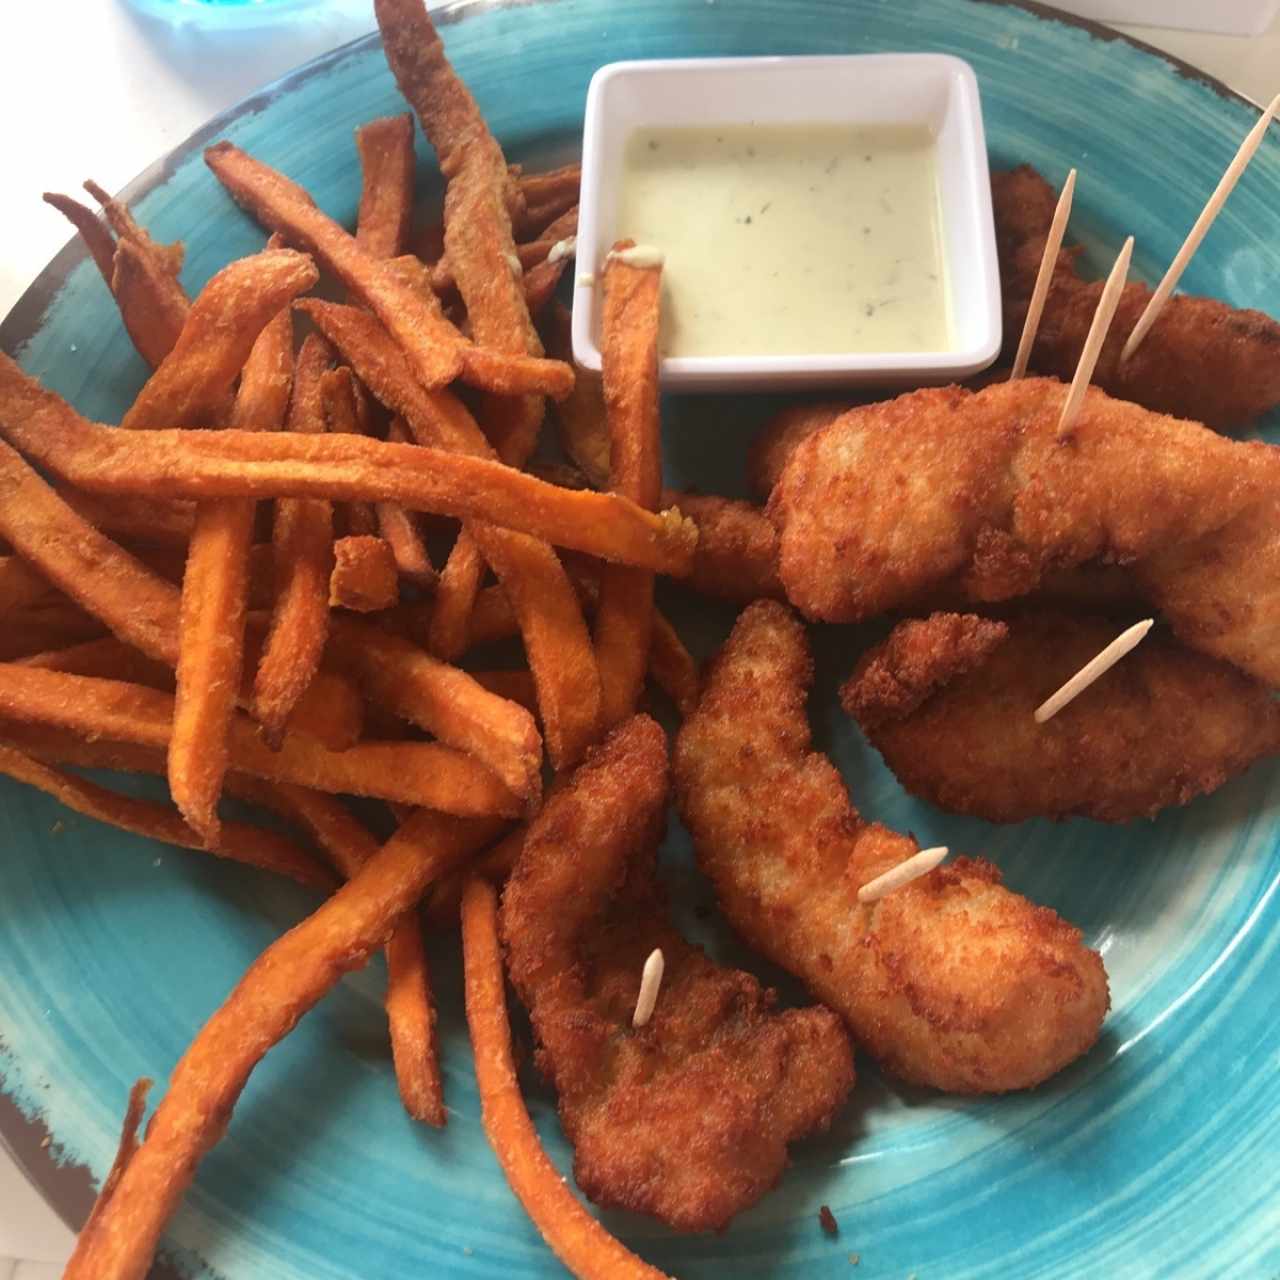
(68, 1188)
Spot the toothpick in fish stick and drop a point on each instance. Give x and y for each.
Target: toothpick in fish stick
(912, 868)
(576, 1238)
(1044, 277)
(284, 983)
(419, 773)
(241, 842)
(1199, 230)
(1102, 318)
(215, 595)
(1090, 672)
(302, 557)
(629, 343)
(260, 464)
(193, 382)
(650, 985)
(439, 353)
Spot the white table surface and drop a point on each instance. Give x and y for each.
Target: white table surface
(124, 89)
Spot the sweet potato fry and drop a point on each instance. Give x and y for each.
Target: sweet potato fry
(541, 280)
(410, 1005)
(283, 984)
(346, 412)
(93, 231)
(671, 666)
(555, 185)
(141, 274)
(576, 1238)
(192, 383)
(629, 341)
(386, 193)
(438, 352)
(241, 842)
(21, 585)
(419, 773)
(737, 555)
(231, 463)
(528, 255)
(443, 700)
(46, 625)
(134, 517)
(302, 542)
(494, 865)
(456, 596)
(134, 1111)
(364, 577)
(106, 658)
(583, 433)
(215, 593)
(551, 622)
(514, 686)
(151, 302)
(400, 529)
(134, 603)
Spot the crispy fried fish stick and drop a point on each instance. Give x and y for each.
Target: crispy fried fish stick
(737, 553)
(629, 342)
(951, 981)
(949, 701)
(241, 842)
(419, 773)
(192, 383)
(1202, 360)
(689, 1117)
(282, 984)
(261, 464)
(974, 493)
(302, 556)
(215, 593)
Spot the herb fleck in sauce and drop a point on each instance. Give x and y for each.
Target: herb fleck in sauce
(848, 258)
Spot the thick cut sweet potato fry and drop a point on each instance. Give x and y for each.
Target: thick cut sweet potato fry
(192, 383)
(544, 602)
(671, 666)
(93, 231)
(240, 842)
(51, 625)
(21, 585)
(580, 420)
(515, 686)
(410, 1005)
(260, 464)
(629, 342)
(108, 659)
(555, 185)
(134, 517)
(438, 352)
(134, 1111)
(302, 543)
(443, 700)
(133, 602)
(575, 1237)
(419, 773)
(386, 192)
(400, 529)
(364, 577)
(141, 274)
(283, 984)
(215, 592)
(541, 280)
(346, 412)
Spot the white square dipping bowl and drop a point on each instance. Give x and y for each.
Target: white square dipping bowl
(859, 89)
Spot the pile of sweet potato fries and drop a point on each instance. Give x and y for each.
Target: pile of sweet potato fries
(235, 589)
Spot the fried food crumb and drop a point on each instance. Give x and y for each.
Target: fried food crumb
(854, 1259)
(828, 1221)
(58, 827)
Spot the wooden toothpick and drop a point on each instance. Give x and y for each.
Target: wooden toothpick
(913, 868)
(650, 981)
(1102, 318)
(1044, 277)
(1092, 669)
(1197, 233)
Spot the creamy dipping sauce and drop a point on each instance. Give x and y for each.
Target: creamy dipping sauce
(791, 239)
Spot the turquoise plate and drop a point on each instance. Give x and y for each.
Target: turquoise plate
(1158, 1155)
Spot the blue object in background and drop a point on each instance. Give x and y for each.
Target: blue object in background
(224, 13)
(1158, 1155)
